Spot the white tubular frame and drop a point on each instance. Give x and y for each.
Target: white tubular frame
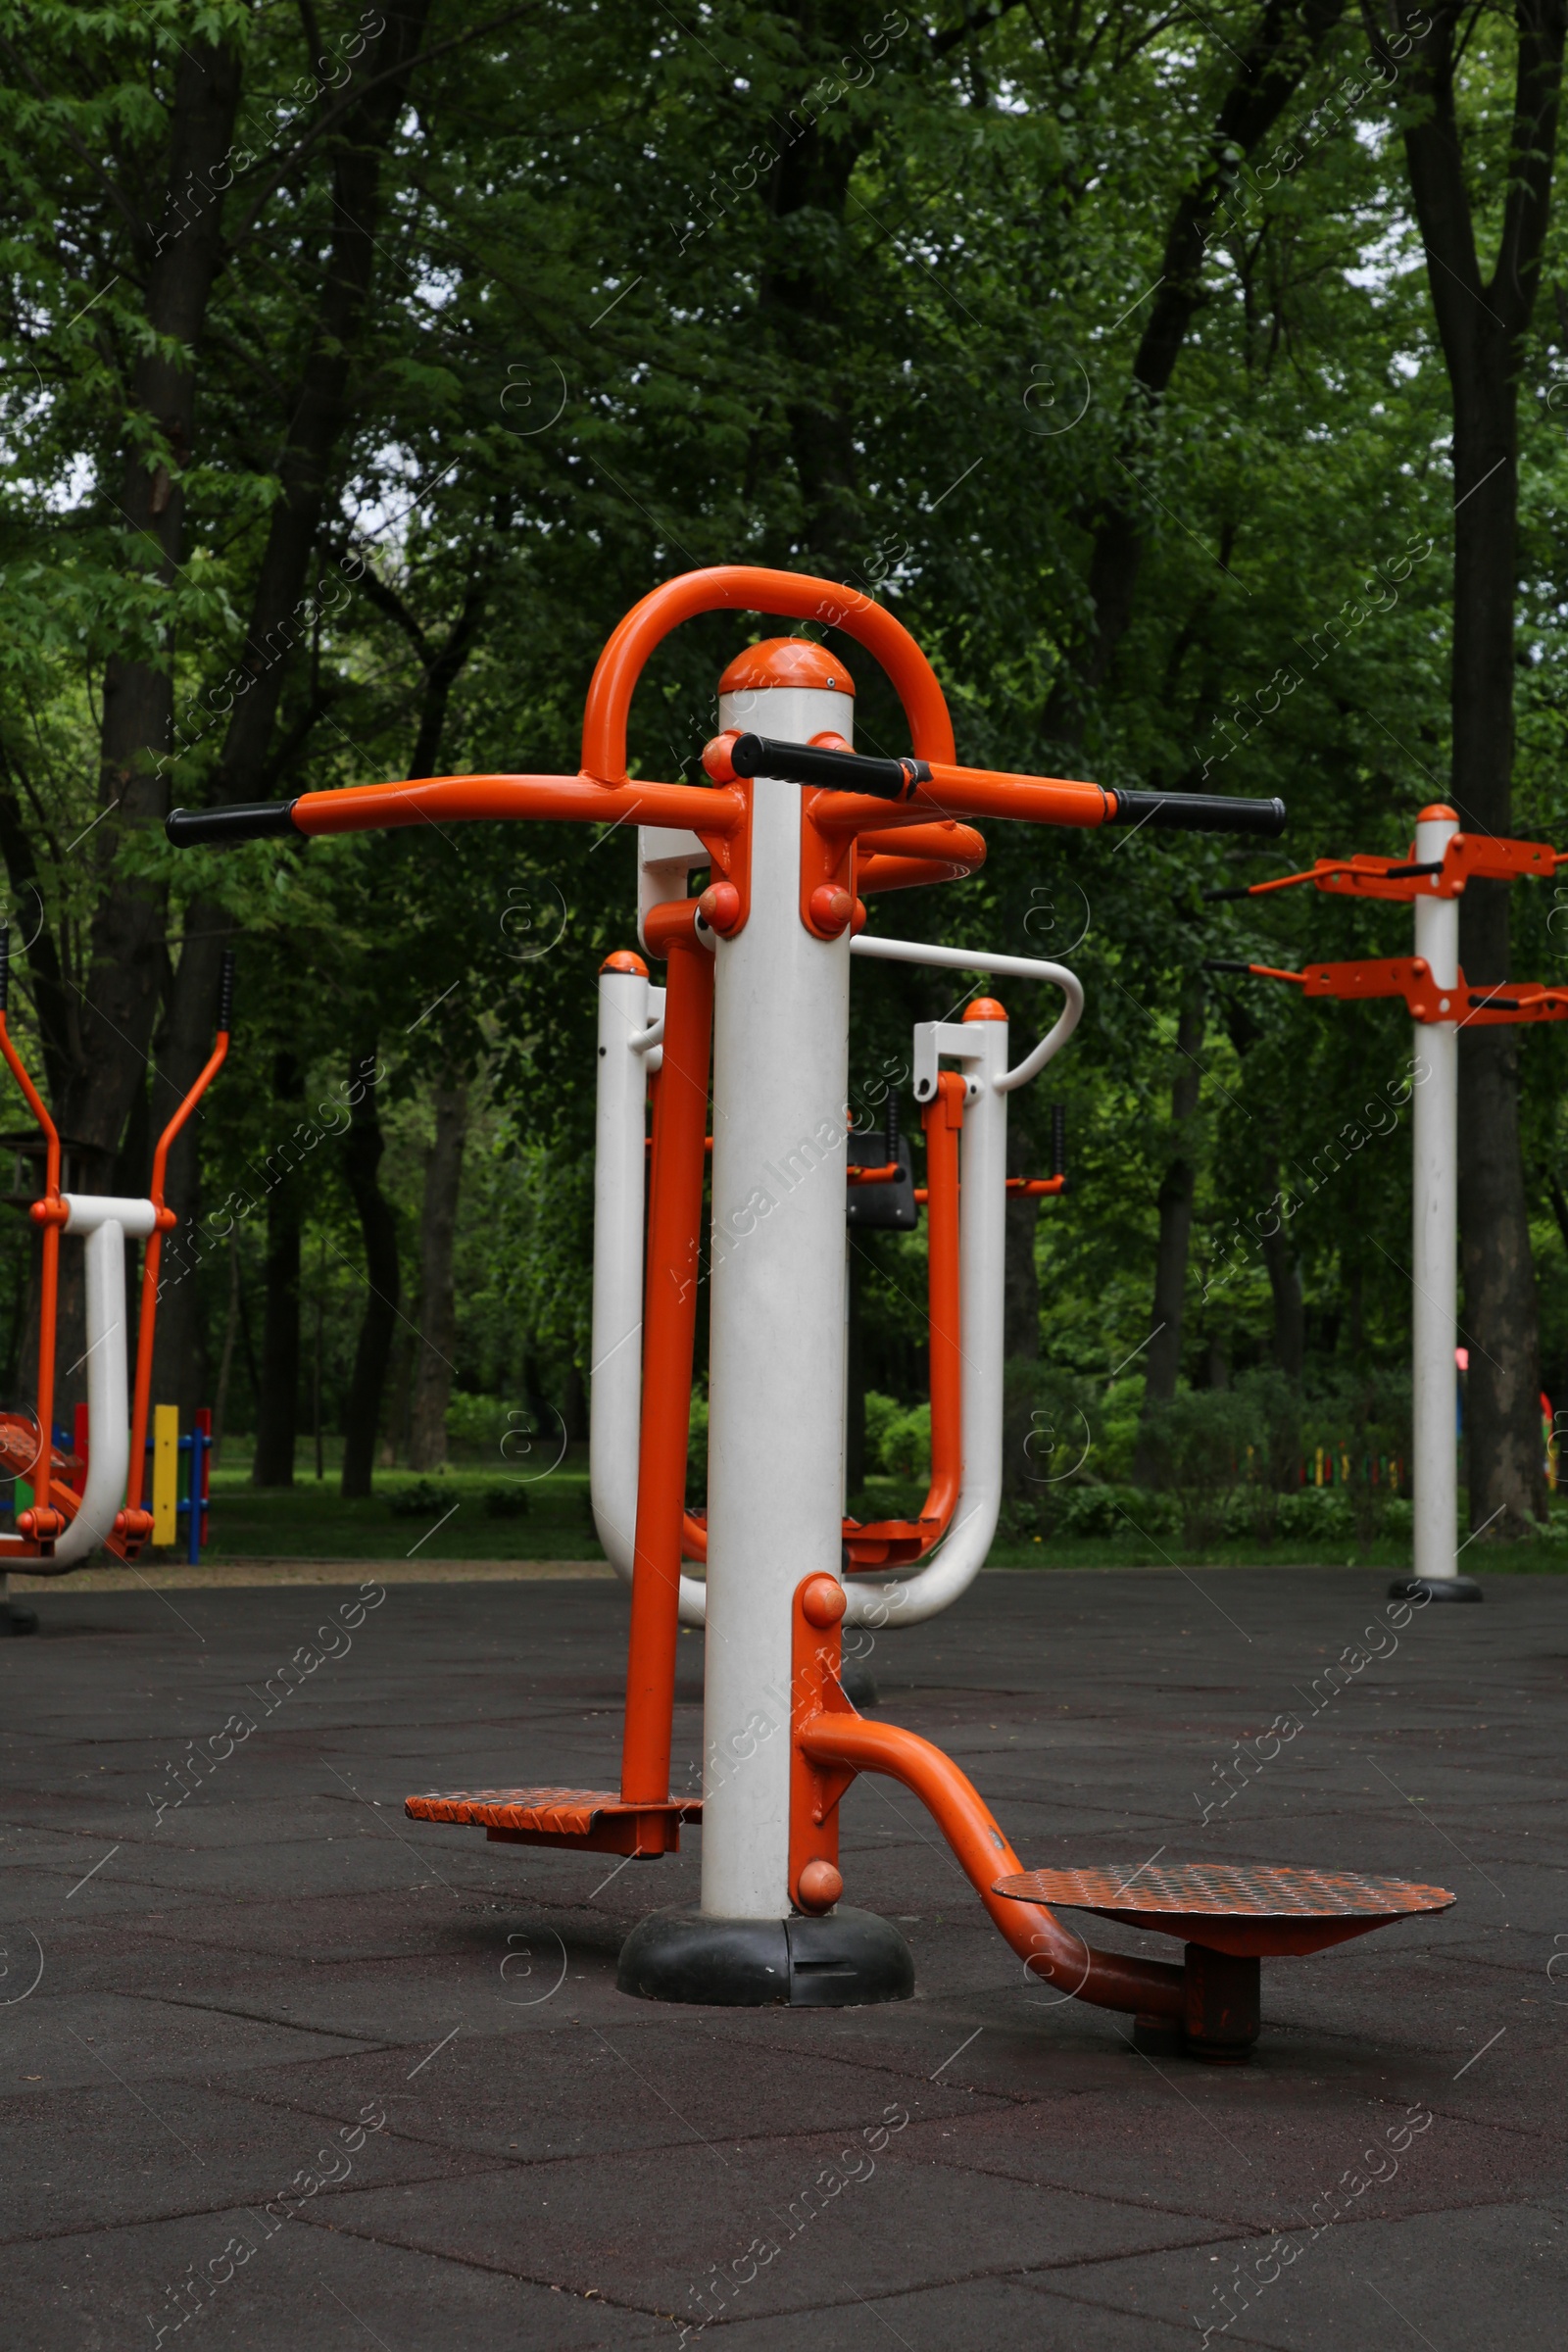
(104, 1225)
(933, 1584)
(1434, 1240)
(1005, 967)
(630, 1025)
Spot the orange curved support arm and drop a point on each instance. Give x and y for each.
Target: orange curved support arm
(749, 588)
(943, 1119)
(832, 1743)
(1047, 1949)
(51, 1219)
(152, 1255)
(875, 1543)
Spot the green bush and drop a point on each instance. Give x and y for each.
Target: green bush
(418, 1501)
(1048, 1428)
(506, 1503)
(477, 1424)
(898, 1437)
(1127, 1511)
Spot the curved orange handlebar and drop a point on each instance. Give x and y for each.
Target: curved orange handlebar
(748, 588)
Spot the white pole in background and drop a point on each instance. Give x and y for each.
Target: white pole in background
(1435, 1137)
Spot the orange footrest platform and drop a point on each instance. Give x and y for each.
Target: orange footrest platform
(1251, 1911)
(597, 1820)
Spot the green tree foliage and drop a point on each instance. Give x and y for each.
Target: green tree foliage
(511, 317)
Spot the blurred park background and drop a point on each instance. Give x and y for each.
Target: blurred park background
(361, 367)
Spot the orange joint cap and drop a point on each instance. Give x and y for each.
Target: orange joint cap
(624, 961)
(985, 1008)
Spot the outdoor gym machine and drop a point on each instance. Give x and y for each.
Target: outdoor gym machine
(1442, 1003)
(60, 1526)
(796, 831)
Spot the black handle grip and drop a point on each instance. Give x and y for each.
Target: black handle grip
(836, 771)
(890, 1123)
(5, 969)
(225, 995)
(251, 820)
(1196, 813)
(1224, 964)
(1058, 1139)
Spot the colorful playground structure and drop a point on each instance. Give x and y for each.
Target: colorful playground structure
(83, 1489)
(1431, 880)
(746, 1047)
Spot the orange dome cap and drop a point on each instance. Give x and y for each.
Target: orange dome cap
(786, 661)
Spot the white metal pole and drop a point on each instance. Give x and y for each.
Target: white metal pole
(104, 1224)
(626, 1011)
(775, 1435)
(1434, 1139)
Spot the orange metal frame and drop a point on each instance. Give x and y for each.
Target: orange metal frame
(1468, 857)
(134, 1525)
(832, 1745)
(43, 1522)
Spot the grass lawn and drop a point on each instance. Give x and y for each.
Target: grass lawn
(457, 1520)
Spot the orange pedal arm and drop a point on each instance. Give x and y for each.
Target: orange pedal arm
(50, 1213)
(879, 1543)
(152, 1257)
(833, 1743)
(669, 1328)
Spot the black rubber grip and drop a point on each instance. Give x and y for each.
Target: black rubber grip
(225, 995)
(5, 968)
(1058, 1139)
(890, 1124)
(837, 772)
(1197, 811)
(1224, 964)
(251, 820)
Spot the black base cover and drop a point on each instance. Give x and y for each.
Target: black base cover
(835, 1962)
(1435, 1588)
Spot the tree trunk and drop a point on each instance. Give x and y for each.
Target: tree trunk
(1163, 1355)
(383, 1279)
(278, 1406)
(125, 958)
(1285, 1284)
(438, 1321)
(1482, 326)
(315, 423)
(1287, 42)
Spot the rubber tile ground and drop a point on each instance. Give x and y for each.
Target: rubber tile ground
(287, 2070)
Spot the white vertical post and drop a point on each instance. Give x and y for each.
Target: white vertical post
(104, 1223)
(626, 1003)
(775, 1436)
(1434, 1140)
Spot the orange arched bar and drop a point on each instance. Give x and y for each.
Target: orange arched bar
(748, 588)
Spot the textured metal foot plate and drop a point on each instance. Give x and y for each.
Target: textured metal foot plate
(1248, 1910)
(595, 1818)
